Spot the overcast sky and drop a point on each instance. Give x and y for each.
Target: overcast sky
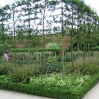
(93, 3)
(4, 2)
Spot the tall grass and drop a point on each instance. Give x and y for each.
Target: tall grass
(88, 66)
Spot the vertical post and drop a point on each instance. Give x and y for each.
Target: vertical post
(62, 30)
(72, 39)
(13, 8)
(3, 41)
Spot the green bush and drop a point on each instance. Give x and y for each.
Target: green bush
(51, 67)
(67, 58)
(89, 69)
(96, 48)
(52, 45)
(52, 59)
(21, 59)
(5, 68)
(59, 86)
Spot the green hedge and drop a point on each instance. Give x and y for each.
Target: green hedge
(38, 49)
(50, 91)
(96, 48)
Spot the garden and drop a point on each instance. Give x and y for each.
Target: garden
(59, 85)
(53, 48)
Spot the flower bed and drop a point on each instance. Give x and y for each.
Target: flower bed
(59, 86)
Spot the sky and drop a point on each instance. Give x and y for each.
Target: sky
(4, 2)
(94, 4)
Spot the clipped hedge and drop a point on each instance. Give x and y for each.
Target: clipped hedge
(51, 91)
(38, 49)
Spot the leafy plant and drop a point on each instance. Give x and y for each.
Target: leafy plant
(52, 45)
(51, 67)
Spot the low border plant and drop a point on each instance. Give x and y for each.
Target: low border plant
(59, 86)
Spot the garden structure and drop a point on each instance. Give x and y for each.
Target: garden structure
(51, 39)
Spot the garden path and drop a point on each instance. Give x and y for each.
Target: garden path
(4, 94)
(93, 93)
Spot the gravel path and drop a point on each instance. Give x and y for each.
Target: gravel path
(93, 93)
(15, 95)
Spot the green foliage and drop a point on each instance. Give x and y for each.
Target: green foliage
(52, 59)
(57, 50)
(50, 67)
(5, 68)
(67, 58)
(45, 78)
(96, 48)
(52, 45)
(1, 60)
(89, 67)
(21, 58)
(1, 51)
(23, 74)
(59, 86)
(5, 78)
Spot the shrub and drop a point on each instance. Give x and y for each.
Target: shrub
(89, 67)
(67, 58)
(21, 59)
(52, 45)
(50, 67)
(52, 59)
(5, 68)
(24, 73)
